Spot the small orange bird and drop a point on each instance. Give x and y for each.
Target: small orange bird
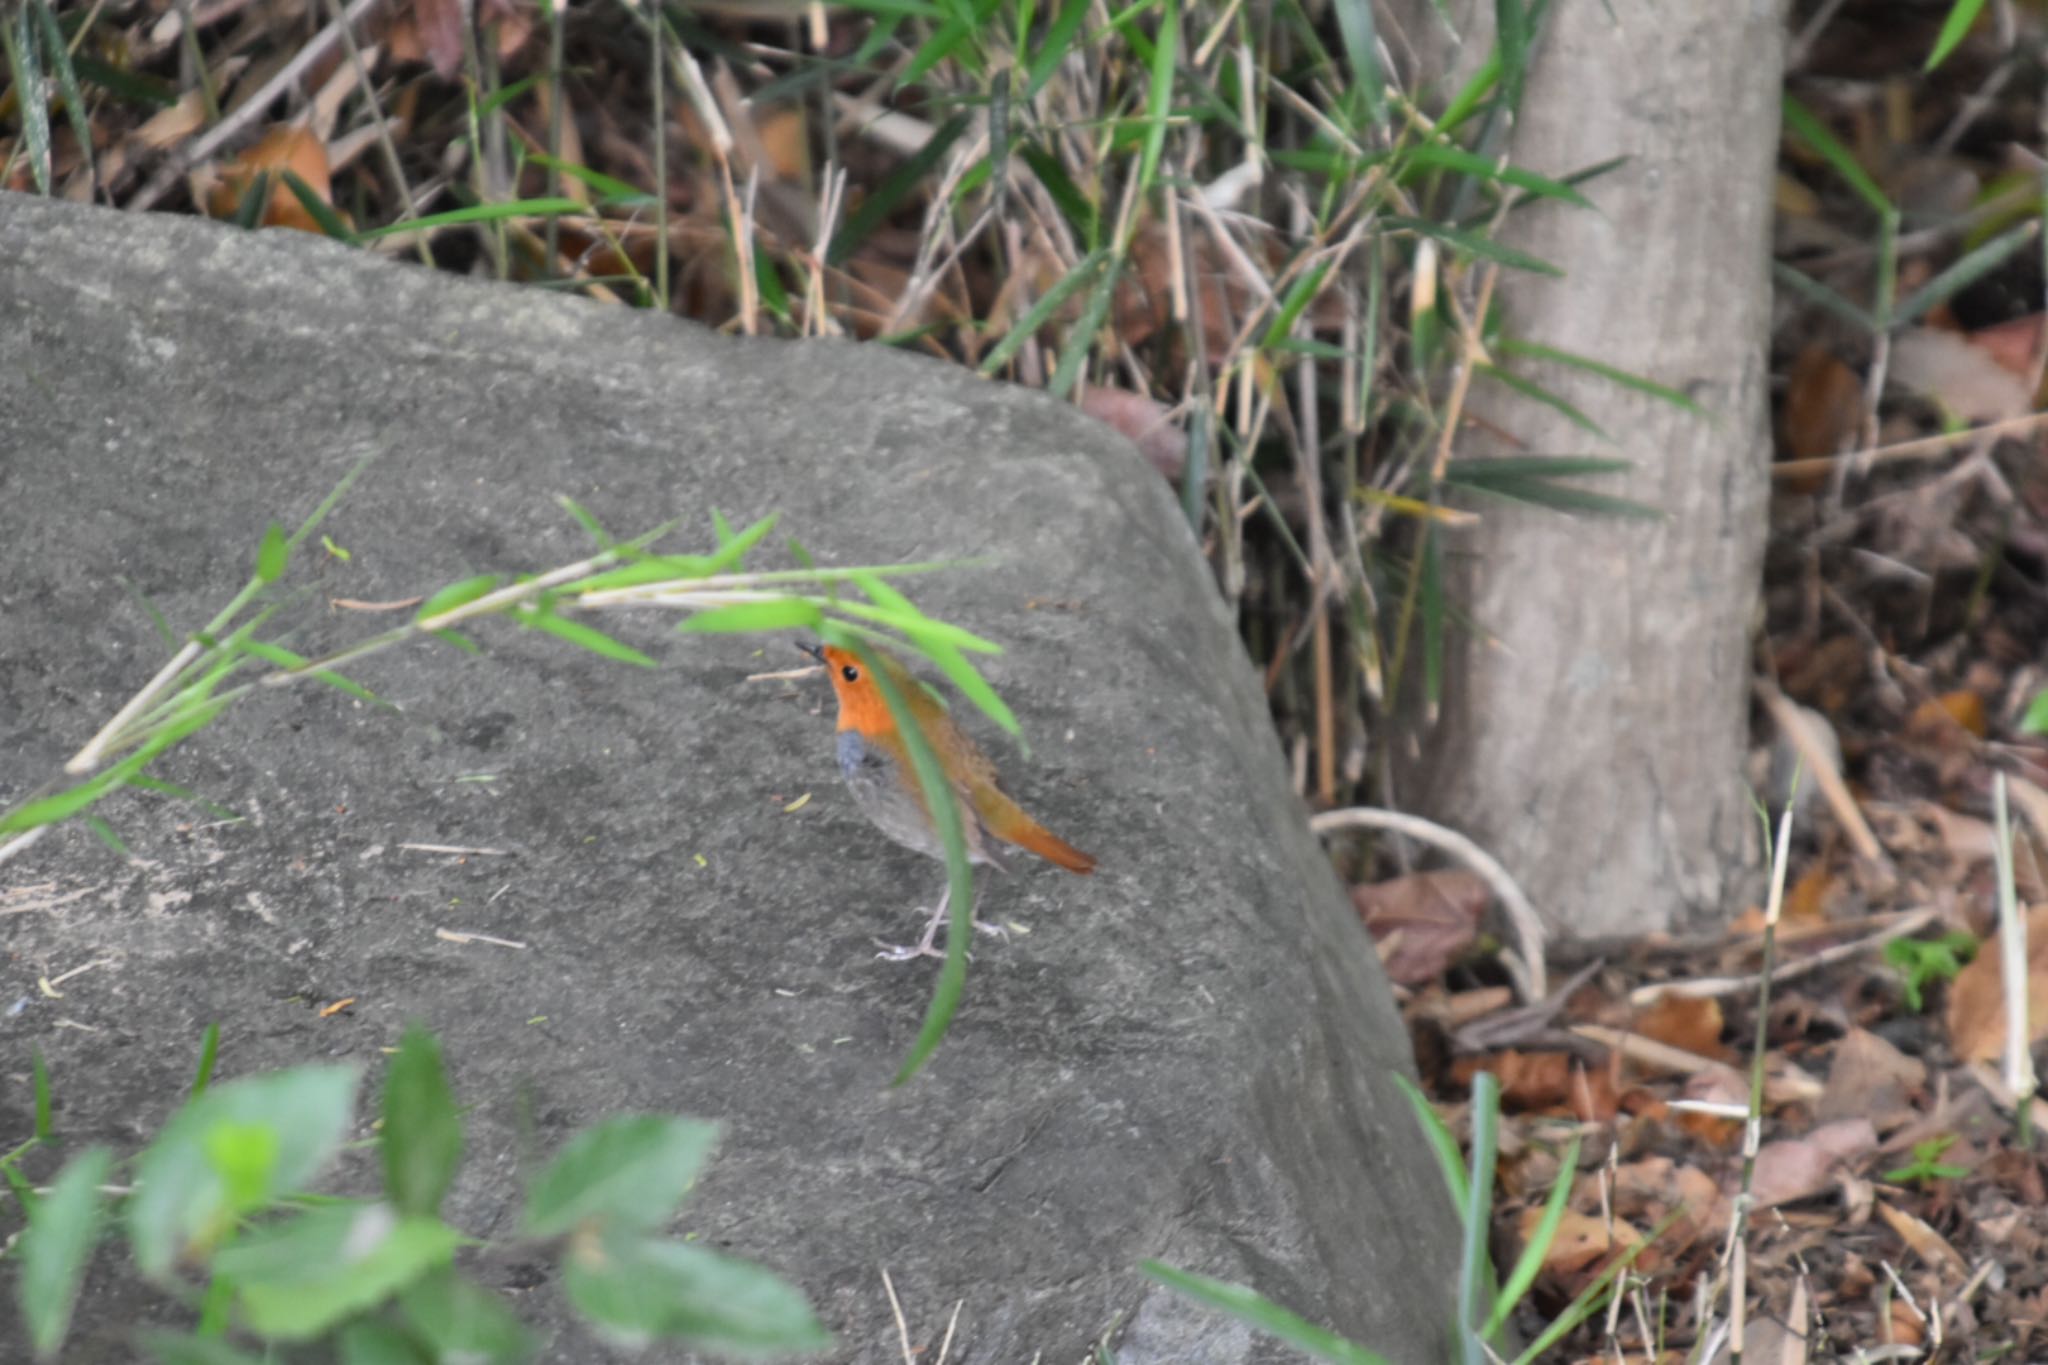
(876, 764)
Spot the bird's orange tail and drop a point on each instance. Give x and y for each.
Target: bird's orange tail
(1049, 846)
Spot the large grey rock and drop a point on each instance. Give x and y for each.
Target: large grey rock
(1188, 1057)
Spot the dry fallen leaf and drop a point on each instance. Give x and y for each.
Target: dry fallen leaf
(1965, 379)
(1436, 913)
(287, 147)
(1582, 1240)
(1798, 1168)
(1929, 1245)
(1823, 405)
(1694, 1025)
(1873, 1079)
(1976, 998)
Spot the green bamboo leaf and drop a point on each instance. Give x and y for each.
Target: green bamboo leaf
(1801, 123)
(1529, 389)
(1079, 211)
(458, 595)
(1027, 327)
(1255, 1310)
(585, 637)
(732, 548)
(1298, 296)
(209, 1055)
(1080, 342)
(615, 193)
(319, 210)
(1159, 95)
(788, 613)
(918, 624)
(2035, 721)
(1059, 41)
(876, 208)
(1362, 52)
(1512, 31)
(1634, 382)
(281, 657)
(478, 213)
(1961, 16)
(62, 805)
(1472, 243)
(1466, 163)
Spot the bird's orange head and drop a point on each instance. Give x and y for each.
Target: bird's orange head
(862, 706)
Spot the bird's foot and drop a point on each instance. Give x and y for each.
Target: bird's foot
(927, 946)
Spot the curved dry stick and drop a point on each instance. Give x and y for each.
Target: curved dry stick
(1528, 972)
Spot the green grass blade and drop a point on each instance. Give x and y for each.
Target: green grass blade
(1800, 121)
(1441, 1140)
(39, 1079)
(20, 42)
(1969, 268)
(59, 53)
(1805, 285)
(1255, 1310)
(1511, 35)
(1961, 15)
(1634, 382)
(1530, 1263)
(1476, 1260)
(584, 637)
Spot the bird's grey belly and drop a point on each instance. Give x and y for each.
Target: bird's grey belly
(892, 803)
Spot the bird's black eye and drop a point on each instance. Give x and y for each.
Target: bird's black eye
(850, 673)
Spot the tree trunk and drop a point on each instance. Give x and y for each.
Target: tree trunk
(1595, 744)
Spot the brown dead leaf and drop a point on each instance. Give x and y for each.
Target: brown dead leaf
(1963, 378)
(1694, 1025)
(1582, 1241)
(176, 123)
(1436, 913)
(1976, 999)
(1798, 1168)
(1823, 405)
(1644, 1191)
(1806, 901)
(1924, 1242)
(1873, 1079)
(2013, 345)
(1149, 425)
(1528, 1080)
(287, 147)
(1947, 713)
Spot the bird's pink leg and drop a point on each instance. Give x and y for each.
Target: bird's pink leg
(925, 946)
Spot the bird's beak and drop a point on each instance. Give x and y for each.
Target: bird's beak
(815, 651)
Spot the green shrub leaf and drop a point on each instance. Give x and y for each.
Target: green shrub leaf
(628, 1172)
(422, 1129)
(62, 1228)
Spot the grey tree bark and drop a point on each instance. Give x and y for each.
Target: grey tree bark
(1594, 743)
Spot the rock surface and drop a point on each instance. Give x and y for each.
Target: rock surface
(1189, 1056)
